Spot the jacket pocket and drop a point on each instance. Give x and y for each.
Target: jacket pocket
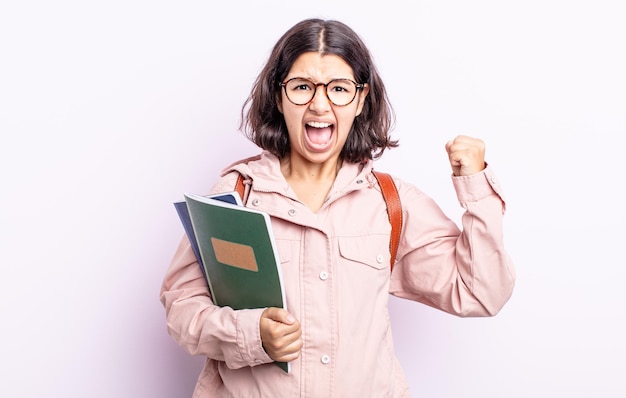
(284, 250)
(371, 250)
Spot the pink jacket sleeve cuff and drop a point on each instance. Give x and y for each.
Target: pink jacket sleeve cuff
(249, 341)
(478, 186)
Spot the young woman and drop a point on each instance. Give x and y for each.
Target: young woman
(319, 113)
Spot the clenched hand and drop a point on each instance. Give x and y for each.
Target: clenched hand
(281, 334)
(466, 154)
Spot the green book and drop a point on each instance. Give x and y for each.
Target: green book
(238, 254)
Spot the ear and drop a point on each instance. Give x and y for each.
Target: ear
(362, 95)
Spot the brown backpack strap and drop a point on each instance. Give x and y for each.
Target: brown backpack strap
(394, 210)
(240, 187)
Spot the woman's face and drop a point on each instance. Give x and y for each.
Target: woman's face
(319, 129)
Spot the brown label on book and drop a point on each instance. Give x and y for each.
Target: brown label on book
(235, 254)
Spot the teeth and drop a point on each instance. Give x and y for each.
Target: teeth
(319, 125)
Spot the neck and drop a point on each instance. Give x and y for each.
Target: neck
(296, 168)
(311, 182)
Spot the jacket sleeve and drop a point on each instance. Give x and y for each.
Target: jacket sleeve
(463, 272)
(201, 327)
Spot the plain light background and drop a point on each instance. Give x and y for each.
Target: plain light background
(109, 111)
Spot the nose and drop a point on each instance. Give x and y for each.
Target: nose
(320, 102)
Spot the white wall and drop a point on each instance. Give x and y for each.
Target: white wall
(109, 111)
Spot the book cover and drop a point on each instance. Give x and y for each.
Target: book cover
(183, 214)
(237, 252)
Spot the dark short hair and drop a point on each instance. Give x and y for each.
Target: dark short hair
(263, 123)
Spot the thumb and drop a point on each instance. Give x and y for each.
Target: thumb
(448, 145)
(279, 315)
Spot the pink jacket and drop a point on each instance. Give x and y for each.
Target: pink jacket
(335, 266)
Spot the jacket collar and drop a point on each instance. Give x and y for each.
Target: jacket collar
(264, 170)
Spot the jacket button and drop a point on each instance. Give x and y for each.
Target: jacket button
(323, 275)
(292, 212)
(325, 359)
(380, 258)
(256, 202)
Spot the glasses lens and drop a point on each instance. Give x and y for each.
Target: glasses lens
(300, 91)
(341, 91)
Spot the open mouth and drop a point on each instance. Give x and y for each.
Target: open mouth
(319, 134)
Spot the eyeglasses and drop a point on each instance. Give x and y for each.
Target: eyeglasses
(340, 92)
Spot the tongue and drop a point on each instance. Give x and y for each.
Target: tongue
(319, 136)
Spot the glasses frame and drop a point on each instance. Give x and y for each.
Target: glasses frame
(358, 86)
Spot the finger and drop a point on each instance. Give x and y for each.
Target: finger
(449, 146)
(289, 352)
(458, 145)
(463, 138)
(289, 342)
